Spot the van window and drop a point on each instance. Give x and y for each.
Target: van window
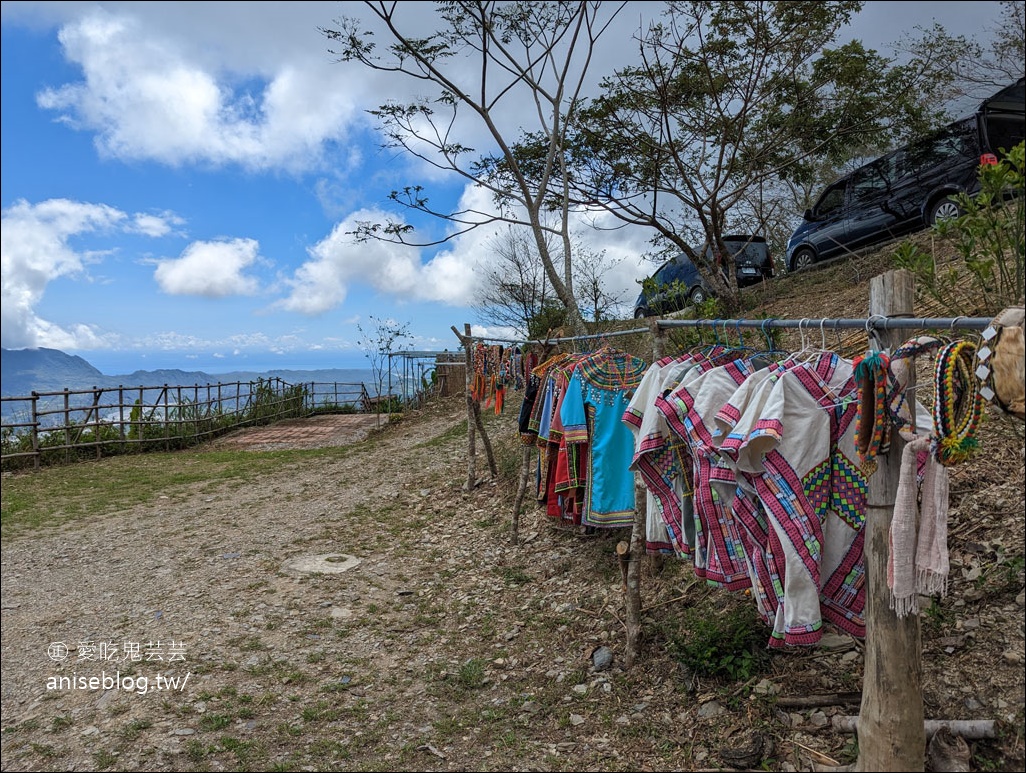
(868, 182)
(1003, 132)
(957, 140)
(832, 200)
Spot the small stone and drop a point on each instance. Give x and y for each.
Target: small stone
(576, 719)
(601, 658)
(766, 687)
(710, 709)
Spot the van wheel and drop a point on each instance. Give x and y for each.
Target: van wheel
(802, 259)
(698, 295)
(640, 313)
(945, 209)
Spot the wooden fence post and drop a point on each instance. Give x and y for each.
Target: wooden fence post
(890, 724)
(67, 426)
(35, 429)
(633, 575)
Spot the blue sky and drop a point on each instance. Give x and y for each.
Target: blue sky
(177, 181)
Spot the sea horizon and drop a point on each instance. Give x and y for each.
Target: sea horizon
(121, 363)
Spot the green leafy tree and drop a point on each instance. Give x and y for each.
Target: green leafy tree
(989, 241)
(729, 99)
(540, 52)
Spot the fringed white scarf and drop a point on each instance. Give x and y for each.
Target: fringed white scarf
(918, 562)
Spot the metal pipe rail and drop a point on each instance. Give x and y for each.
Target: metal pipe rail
(869, 324)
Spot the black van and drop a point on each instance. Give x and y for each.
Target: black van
(678, 283)
(908, 189)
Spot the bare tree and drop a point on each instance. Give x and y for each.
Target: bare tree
(593, 293)
(513, 285)
(515, 292)
(521, 54)
(977, 68)
(382, 339)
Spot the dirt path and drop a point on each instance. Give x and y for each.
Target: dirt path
(439, 646)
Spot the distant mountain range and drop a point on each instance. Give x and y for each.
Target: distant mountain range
(23, 371)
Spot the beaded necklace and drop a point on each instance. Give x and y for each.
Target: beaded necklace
(957, 404)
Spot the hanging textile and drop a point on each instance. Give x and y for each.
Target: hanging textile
(917, 562)
(690, 410)
(596, 398)
(660, 456)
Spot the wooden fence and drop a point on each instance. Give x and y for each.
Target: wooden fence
(60, 425)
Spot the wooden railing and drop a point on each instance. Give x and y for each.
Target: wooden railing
(60, 426)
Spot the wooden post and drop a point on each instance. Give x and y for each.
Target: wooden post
(658, 339)
(67, 426)
(525, 472)
(890, 725)
(633, 584)
(467, 342)
(35, 429)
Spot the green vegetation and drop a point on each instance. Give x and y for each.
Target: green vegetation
(989, 240)
(55, 495)
(170, 426)
(728, 644)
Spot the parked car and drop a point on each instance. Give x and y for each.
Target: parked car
(909, 189)
(678, 283)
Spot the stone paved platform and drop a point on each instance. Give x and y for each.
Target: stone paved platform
(312, 432)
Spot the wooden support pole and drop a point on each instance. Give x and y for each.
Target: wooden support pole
(633, 578)
(890, 725)
(658, 339)
(525, 472)
(474, 421)
(467, 343)
(973, 729)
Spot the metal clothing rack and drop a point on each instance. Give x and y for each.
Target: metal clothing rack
(869, 324)
(890, 724)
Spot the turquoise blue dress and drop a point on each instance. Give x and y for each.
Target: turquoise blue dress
(599, 392)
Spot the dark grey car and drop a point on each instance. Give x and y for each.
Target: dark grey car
(910, 188)
(678, 283)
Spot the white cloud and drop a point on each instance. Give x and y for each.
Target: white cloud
(148, 93)
(154, 225)
(36, 249)
(211, 269)
(322, 283)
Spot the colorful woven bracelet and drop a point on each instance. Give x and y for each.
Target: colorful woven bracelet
(871, 421)
(957, 404)
(899, 398)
